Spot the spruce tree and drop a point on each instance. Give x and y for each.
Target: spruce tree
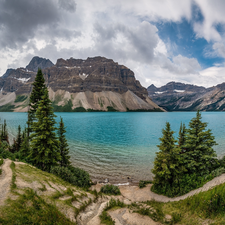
(63, 146)
(4, 133)
(167, 162)
(200, 156)
(36, 95)
(16, 142)
(19, 139)
(24, 149)
(44, 143)
(182, 137)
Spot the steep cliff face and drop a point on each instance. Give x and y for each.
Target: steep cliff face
(184, 97)
(94, 74)
(95, 83)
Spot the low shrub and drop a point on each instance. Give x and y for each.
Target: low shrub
(142, 183)
(6, 154)
(155, 212)
(110, 189)
(176, 217)
(72, 175)
(1, 161)
(106, 219)
(186, 183)
(183, 185)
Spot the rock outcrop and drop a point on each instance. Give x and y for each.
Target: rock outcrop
(185, 97)
(38, 62)
(95, 83)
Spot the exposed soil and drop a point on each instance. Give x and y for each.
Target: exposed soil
(5, 180)
(93, 207)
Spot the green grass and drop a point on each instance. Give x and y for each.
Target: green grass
(110, 189)
(29, 208)
(154, 211)
(105, 217)
(13, 185)
(209, 205)
(20, 98)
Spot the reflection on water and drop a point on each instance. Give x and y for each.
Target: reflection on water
(118, 145)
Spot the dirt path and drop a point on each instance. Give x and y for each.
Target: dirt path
(5, 180)
(136, 194)
(124, 217)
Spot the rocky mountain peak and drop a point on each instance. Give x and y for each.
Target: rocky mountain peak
(95, 83)
(38, 62)
(81, 62)
(7, 73)
(176, 96)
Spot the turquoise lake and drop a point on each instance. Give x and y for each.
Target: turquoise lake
(115, 145)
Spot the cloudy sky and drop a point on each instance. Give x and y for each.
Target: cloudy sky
(161, 41)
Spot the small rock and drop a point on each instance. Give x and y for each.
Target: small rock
(106, 180)
(168, 218)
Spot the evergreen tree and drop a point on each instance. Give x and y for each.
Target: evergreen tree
(16, 142)
(63, 146)
(24, 149)
(19, 139)
(13, 147)
(4, 133)
(200, 156)
(44, 143)
(36, 95)
(167, 162)
(182, 137)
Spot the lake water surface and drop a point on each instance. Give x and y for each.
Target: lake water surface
(115, 145)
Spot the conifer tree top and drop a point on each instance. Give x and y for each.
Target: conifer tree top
(38, 88)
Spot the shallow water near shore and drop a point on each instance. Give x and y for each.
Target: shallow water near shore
(117, 145)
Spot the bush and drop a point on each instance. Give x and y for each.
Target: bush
(75, 176)
(106, 219)
(110, 189)
(142, 183)
(83, 177)
(222, 162)
(6, 154)
(1, 161)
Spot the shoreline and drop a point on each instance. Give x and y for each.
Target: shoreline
(117, 182)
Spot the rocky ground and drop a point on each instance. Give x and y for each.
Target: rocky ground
(80, 206)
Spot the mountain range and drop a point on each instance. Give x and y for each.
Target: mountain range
(176, 96)
(94, 84)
